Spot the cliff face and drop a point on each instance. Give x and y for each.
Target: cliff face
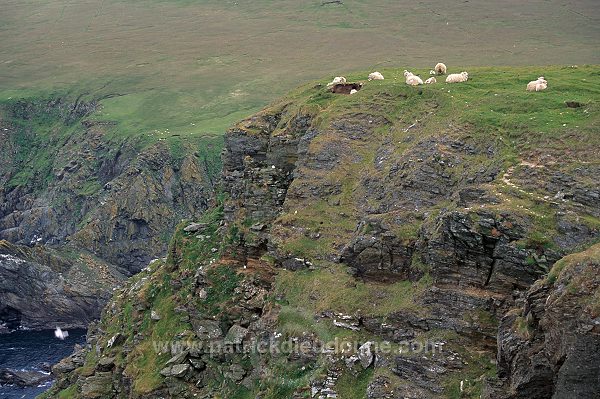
(40, 287)
(399, 220)
(71, 182)
(549, 344)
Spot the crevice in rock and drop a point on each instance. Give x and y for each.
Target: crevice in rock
(490, 273)
(10, 317)
(489, 247)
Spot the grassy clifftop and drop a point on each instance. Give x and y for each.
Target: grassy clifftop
(512, 134)
(197, 67)
(394, 214)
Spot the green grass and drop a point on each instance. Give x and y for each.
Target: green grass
(68, 393)
(591, 255)
(222, 280)
(143, 364)
(186, 66)
(296, 322)
(89, 188)
(477, 368)
(354, 386)
(523, 327)
(311, 290)
(191, 251)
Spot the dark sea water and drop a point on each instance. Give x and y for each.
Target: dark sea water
(27, 350)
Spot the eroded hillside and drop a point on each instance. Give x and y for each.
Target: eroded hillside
(73, 184)
(417, 223)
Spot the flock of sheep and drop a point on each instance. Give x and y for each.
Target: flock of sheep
(440, 69)
(339, 85)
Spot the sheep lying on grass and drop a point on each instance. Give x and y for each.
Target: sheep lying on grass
(375, 76)
(346, 88)
(353, 91)
(440, 68)
(336, 80)
(541, 86)
(537, 85)
(432, 72)
(411, 79)
(457, 77)
(431, 80)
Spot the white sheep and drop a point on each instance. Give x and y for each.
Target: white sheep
(440, 68)
(431, 80)
(413, 80)
(457, 77)
(375, 76)
(336, 80)
(431, 72)
(537, 85)
(353, 91)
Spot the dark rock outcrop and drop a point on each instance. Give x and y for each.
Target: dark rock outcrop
(112, 200)
(22, 378)
(40, 288)
(116, 200)
(549, 346)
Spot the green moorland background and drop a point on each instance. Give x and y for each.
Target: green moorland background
(192, 68)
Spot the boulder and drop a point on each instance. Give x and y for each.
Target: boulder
(99, 385)
(236, 372)
(70, 363)
(197, 364)
(115, 340)
(236, 335)
(206, 329)
(176, 370)
(105, 363)
(154, 315)
(23, 378)
(194, 227)
(178, 358)
(365, 354)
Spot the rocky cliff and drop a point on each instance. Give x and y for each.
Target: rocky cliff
(549, 344)
(71, 182)
(42, 287)
(378, 245)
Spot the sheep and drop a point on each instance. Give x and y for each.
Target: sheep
(431, 80)
(413, 80)
(440, 68)
(375, 76)
(537, 85)
(345, 88)
(353, 91)
(431, 72)
(336, 80)
(457, 77)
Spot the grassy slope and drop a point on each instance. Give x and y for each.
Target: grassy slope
(195, 67)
